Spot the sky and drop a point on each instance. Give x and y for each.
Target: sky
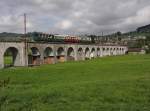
(74, 16)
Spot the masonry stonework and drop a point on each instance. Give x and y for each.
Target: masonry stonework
(44, 53)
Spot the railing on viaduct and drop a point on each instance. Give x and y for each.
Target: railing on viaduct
(44, 53)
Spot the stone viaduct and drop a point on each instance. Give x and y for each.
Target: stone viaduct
(46, 53)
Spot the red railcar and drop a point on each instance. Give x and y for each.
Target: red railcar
(72, 39)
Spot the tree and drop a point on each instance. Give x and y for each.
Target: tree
(118, 33)
(93, 37)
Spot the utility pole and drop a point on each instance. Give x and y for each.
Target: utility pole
(102, 39)
(25, 29)
(25, 40)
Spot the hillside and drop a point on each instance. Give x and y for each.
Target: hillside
(7, 34)
(144, 29)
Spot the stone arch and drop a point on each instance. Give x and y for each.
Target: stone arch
(87, 53)
(49, 56)
(122, 50)
(70, 54)
(107, 51)
(80, 54)
(11, 57)
(103, 51)
(98, 52)
(117, 51)
(92, 54)
(34, 56)
(111, 51)
(114, 51)
(61, 54)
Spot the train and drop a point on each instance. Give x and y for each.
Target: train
(56, 38)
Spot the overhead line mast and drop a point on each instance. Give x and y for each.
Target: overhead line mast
(25, 40)
(25, 29)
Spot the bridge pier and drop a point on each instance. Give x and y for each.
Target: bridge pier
(1, 62)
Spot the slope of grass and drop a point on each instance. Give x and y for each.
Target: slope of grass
(107, 84)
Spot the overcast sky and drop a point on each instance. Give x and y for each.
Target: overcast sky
(74, 16)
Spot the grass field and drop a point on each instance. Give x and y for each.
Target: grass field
(8, 60)
(107, 84)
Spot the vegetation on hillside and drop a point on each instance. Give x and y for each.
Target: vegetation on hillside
(7, 34)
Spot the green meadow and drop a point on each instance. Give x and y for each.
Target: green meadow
(120, 83)
(8, 60)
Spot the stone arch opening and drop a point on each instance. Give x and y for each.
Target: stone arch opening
(107, 49)
(117, 51)
(120, 51)
(98, 52)
(92, 55)
(70, 54)
(103, 49)
(61, 55)
(114, 51)
(34, 56)
(11, 57)
(49, 56)
(80, 54)
(87, 53)
(111, 51)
